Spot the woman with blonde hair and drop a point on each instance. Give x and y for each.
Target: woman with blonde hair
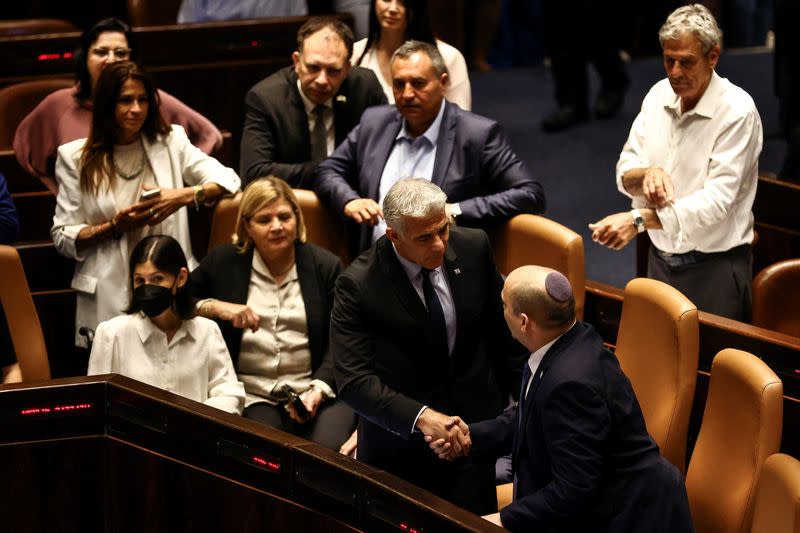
(272, 294)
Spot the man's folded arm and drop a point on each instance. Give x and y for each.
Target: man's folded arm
(334, 177)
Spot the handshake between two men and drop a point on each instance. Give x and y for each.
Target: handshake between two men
(448, 436)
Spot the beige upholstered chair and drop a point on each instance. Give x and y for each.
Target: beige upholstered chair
(741, 427)
(776, 291)
(23, 321)
(777, 507)
(657, 348)
(19, 99)
(535, 240)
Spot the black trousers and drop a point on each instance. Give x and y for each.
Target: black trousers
(719, 283)
(334, 423)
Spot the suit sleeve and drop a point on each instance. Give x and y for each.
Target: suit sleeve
(336, 177)
(494, 438)
(258, 157)
(511, 190)
(354, 364)
(328, 276)
(576, 422)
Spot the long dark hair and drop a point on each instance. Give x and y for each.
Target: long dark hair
(167, 256)
(418, 27)
(97, 165)
(82, 52)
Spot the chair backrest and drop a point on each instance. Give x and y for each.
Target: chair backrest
(741, 427)
(777, 507)
(321, 227)
(657, 347)
(535, 240)
(776, 291)
(19, 99)
(17, 28)
(23, 321)
(152, 12)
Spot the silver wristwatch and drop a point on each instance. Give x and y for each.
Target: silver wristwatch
(638, 220)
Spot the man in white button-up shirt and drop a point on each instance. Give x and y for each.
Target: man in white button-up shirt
(691, 167)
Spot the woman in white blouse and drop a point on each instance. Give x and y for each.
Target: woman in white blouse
(272, 294)
(160, 342)
(393, 22)
(102, 207)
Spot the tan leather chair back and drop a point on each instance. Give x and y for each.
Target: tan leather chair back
(741, 427)
(321, 227)
(18, 100)
(776, 291)
(777, 507)
(18, 28)
(23, 321)
(535, 240)
(657, 348)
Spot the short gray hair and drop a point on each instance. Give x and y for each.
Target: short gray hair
(695, 19)
(412, 197)
(408, 48)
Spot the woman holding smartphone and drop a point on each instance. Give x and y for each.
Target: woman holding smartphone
(103, 207)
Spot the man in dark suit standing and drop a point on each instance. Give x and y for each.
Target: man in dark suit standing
(466, 155)
(417, 331)
(283, 133)
(581, 455)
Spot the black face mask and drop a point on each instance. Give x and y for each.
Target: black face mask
(152, 299)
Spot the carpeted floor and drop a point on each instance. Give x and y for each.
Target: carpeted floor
(577, 166)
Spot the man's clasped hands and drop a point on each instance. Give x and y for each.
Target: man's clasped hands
(448, 436)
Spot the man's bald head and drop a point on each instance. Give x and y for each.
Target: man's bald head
(543, 294)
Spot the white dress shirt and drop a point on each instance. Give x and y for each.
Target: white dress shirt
(711, 153)
(409, 158)
(195, 363)
(330, 131)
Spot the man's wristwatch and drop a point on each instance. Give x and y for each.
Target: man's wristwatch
(638, 220)
(199, 196)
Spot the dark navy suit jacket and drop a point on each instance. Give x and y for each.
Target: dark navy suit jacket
(584, 460)
(475, 166)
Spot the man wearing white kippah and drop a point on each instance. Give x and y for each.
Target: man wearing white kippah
(582, 458)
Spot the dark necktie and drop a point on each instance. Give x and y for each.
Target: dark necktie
(526, 376)
(319, 137)
(435, 313)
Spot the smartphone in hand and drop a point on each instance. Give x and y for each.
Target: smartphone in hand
(152, 193)
(296, 402)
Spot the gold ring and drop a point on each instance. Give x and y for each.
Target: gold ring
(152, 212)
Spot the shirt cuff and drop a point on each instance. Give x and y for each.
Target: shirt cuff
(671, 224)
(324, 388)
(414, 425)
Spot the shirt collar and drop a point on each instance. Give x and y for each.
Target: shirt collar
(536, 357)
(413, 270)
(432, 133)
(261, 267)
(308, 104)
(708, 101)
(145, 328)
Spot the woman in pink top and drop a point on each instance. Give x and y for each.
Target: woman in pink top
(66, 114)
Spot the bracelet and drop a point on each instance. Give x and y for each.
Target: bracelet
(115, 233)
(203, 308)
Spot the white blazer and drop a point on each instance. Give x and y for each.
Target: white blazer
(101, 273)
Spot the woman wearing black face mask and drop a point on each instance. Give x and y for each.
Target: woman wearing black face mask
(161, 342)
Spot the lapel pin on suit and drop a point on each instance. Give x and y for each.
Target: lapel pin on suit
(341, 98)
(456, 271)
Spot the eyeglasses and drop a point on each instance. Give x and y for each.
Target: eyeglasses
(119, 53)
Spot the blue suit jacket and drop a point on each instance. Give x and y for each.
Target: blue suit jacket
(583, 459)
(475, 166)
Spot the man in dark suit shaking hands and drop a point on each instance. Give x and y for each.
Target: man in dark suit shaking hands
(417, 331)
(581, 455)
(297, 116)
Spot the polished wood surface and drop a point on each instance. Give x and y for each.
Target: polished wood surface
(108, 452)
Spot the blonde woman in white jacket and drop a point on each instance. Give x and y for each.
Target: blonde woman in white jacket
(127, 180)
